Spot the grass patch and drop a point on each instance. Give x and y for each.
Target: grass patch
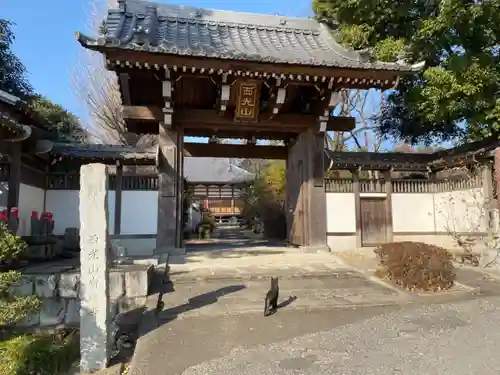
(38, 354)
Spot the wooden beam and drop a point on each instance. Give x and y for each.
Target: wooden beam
(215, 65)
(201, 118)
(14, 176)
(341, 124)
(118, 199)
(235, 134)
(357, 206)
(125, 88)
(388, 207)
(235, 151)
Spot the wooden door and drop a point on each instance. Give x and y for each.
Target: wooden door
(373, 221)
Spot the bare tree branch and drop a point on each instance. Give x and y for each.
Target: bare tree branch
(98, 88)
(364, 105)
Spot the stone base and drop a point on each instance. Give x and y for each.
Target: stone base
(58, 285)
(171, 251)
(315, 249)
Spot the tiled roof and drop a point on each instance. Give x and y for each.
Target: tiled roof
(8, 98)
(216, 170)
(11, 130)
(105, 152)
(188, 31)
(203, 169)
(397, 160)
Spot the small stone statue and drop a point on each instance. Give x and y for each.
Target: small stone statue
(14, 219)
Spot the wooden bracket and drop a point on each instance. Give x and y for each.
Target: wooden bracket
(333, 100)
(225, 94)
(125, 86)
(279, 99)
(168, 109)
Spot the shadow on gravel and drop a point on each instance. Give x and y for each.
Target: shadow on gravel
(287, 302)
(164, 314)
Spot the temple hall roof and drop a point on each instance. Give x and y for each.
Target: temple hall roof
(187, 31)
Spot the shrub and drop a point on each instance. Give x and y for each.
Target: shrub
(417, 266)
(38, 354)
(11, 246)
(12, 308)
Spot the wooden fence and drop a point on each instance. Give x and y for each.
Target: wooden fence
(340, 185)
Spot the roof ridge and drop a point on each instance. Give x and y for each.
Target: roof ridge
(205, 15)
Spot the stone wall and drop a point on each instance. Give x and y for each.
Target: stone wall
(59, 289)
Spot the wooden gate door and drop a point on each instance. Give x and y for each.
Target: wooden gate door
(373, 222)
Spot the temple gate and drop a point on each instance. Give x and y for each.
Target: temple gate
(186, 71)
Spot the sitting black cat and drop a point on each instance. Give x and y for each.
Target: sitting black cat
(271, 302)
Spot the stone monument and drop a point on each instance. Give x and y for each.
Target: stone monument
(95, 319)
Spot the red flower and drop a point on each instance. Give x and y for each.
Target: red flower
(3, 215)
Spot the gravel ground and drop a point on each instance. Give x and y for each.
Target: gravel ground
(455, 339)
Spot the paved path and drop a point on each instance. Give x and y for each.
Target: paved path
(339, 288)
(456, 339)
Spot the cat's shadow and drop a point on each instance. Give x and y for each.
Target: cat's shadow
(287, 302)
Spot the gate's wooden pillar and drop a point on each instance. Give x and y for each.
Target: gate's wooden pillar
(170, 184)
(118, 199)
(14, 176)
(306, 197)
(496, 171)
(170, 179)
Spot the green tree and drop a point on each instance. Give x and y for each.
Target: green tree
(12, 71)
(63, 125)
(458, 93)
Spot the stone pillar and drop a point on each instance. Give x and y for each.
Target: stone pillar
(95, 319)
(306, 197)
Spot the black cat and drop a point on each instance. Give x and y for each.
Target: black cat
(271, 302)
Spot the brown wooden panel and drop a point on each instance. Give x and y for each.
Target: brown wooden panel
(318, 156)
(373, 221)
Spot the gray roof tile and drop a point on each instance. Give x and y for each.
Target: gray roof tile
(216, 170)
(203, 169)
(181, 30)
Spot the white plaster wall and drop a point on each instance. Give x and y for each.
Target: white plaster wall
(64, 205)
(412, 212)
(461, 211)
(139, 211)
(139, 247)
(30, 199)
(341, 213)
(341, 243)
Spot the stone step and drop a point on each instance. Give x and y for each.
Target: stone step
(222, 297)
(178, 275)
